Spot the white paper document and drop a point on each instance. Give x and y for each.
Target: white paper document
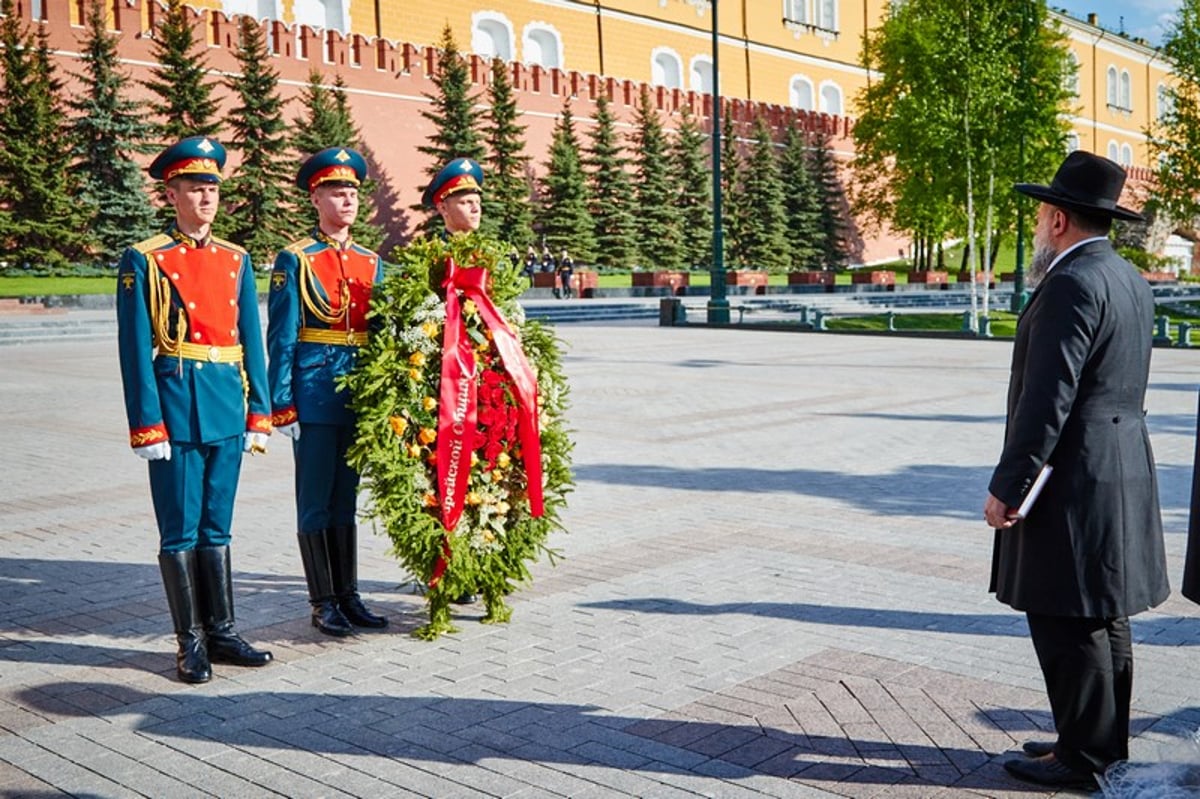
(1039, 483)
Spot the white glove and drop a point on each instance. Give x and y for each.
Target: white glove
(255, 443)
(292, 430)
(155, 452)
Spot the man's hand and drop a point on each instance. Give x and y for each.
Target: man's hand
(292, 430)
(255, 443)
(998, 515)
(155, 452)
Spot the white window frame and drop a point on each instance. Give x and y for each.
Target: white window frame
(658, 76)
(1110, 85)
(1126, 91)
(534, 34)
(797, 11)
(1126, 159)
(491, 24)
(793, 94)
(830, 89)
(1114, 151)
(700, 74)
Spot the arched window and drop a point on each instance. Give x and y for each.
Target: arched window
(491, 35)
(542, 45)
(1162, 105)
(701, 77)
(1072, 142)
(1126, 155)
(826, 14)
(329, 15)
(831, 98)
(1071, 81)
(801, 93)
(1110, 83)
(1114, 152)
(1126, 97)
(665, 68)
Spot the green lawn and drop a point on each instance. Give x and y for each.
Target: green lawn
(1003, 324)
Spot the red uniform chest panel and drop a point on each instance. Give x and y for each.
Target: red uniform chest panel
(354, 269)
(206, 280)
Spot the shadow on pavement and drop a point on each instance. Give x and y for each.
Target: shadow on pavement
(456, 731)
(1156, 631)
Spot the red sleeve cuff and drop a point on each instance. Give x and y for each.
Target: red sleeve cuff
(258, 423)
(285, 416)
(145, 436)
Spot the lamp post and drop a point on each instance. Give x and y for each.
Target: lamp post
(718, 304)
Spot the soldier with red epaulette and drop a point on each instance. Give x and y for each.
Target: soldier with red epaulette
(320, 294)
(195, 381)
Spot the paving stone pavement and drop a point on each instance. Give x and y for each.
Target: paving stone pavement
(774, 585)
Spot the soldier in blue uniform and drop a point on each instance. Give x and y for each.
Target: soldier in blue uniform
(317, 311)
(195, 383)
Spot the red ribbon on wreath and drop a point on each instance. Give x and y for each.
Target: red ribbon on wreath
(458, 401)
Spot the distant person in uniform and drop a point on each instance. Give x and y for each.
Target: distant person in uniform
(566, 268)
(1089, 552)
(195, 382)
(318, 303)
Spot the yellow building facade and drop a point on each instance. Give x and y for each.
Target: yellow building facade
(795, 53)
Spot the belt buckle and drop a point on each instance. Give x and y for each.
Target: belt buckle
(350, 338)
(214, 354)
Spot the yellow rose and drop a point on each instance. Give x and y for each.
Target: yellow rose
(502, 460)
(473, 498)
(469, 308)
(502, 507)
(474, 459)
(489, 536)
(417, 359)
(427, 435)
(430, 329)
(497, 475)
(429, 403)
(414, 450)
(429, 500)
(399, 424)
(414, 374)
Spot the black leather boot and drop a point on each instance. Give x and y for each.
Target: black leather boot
(342, 541)
(326, 615)
(179, 579)
(216, 598)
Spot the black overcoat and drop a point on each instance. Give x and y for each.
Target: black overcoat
(1191, 566)
(1092, 545)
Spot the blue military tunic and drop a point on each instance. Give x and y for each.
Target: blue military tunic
(193, 369)
(317, 309)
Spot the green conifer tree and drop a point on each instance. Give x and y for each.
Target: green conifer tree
(185, 105)
(765, 234)
(612, 193)
(107, 130)
(565, 220)
(732, 201)
(802, 203)
(660, 240)
(507, 211)
(694, 179)
(42, 224)
(834, 207)
(259, 215)
(454, 117)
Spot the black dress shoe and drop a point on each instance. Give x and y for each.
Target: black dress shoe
(1048, 771)
(465, 598)
(1038, 748)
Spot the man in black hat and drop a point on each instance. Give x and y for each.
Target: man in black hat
(1088, 553)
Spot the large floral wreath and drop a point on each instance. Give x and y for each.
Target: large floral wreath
(457, 536)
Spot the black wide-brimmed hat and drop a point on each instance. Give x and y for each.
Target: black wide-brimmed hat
(1087, 183)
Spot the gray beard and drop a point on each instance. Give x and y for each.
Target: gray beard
(1039, 266)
